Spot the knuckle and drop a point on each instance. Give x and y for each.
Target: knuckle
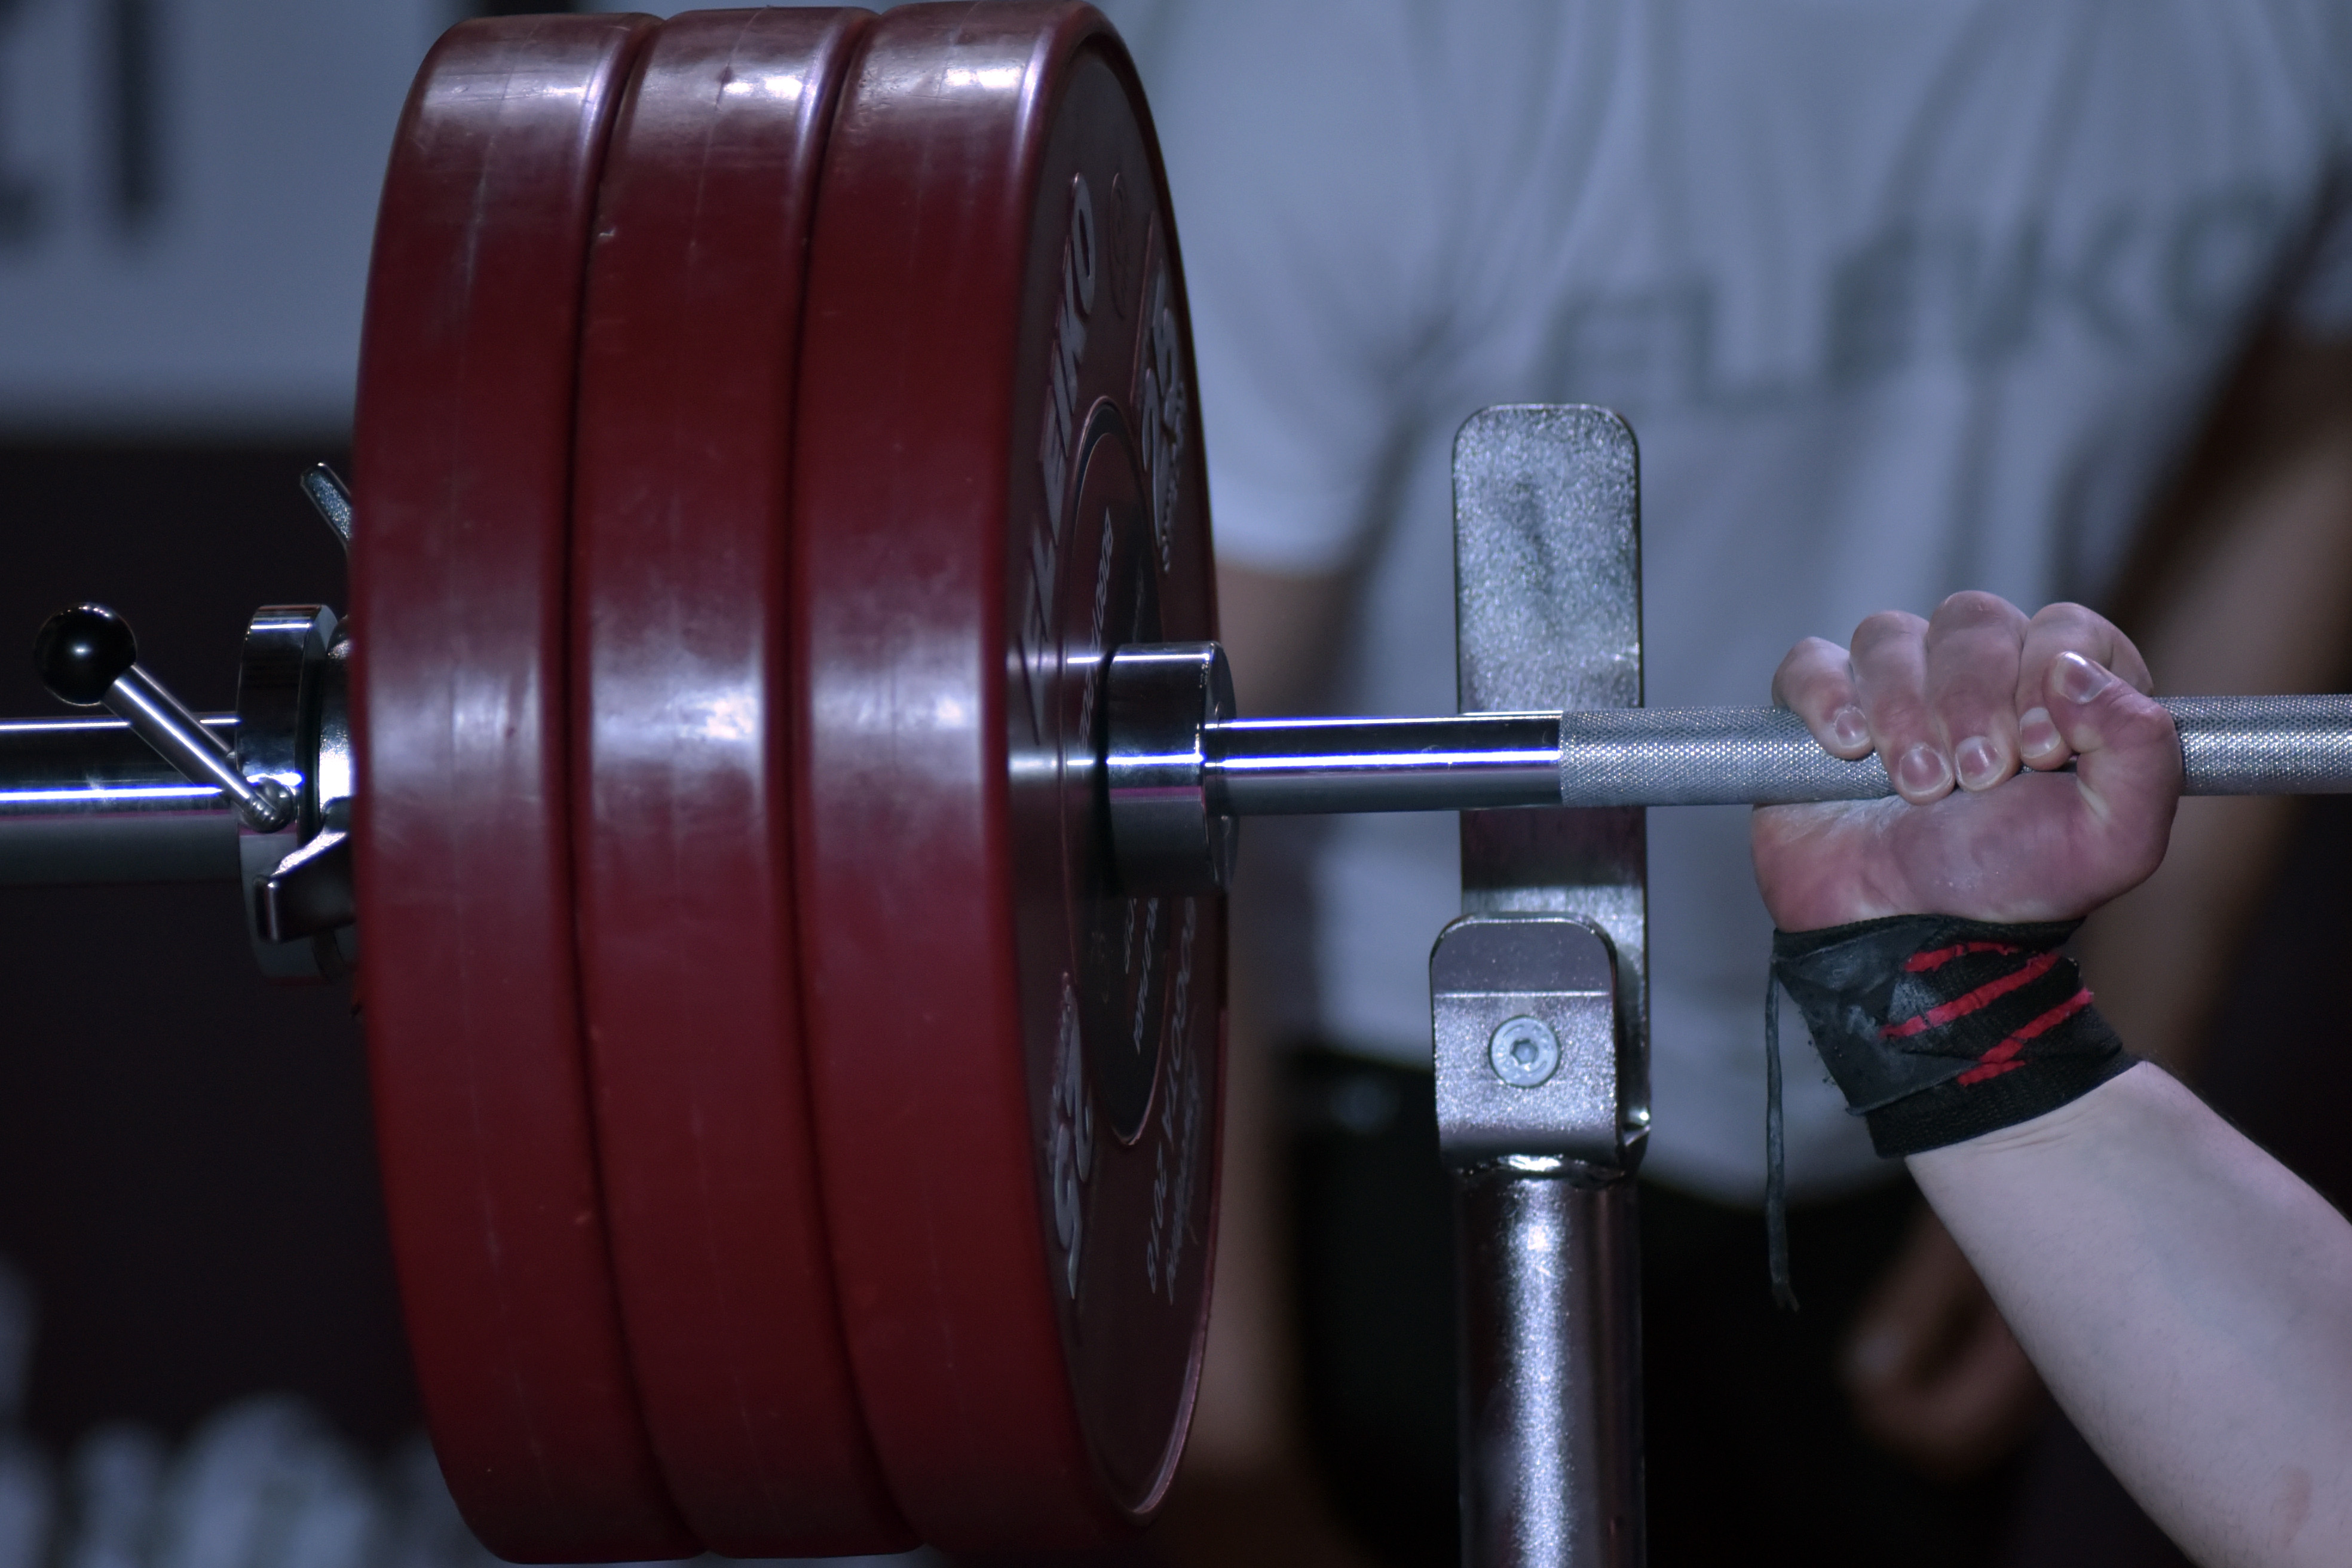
(2066, 625)
(2066, 613)
(1897, 718)
(2156, 724)
(1813, 674)
(1815, 658)
(1885, 626)
(1975, 608)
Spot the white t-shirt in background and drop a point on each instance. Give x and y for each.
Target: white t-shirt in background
(1900, 296)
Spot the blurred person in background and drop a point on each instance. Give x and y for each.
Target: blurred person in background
(2053, 299)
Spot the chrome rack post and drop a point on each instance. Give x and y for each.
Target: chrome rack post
(1541, 1009)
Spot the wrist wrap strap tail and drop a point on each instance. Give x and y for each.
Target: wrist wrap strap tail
(1937, 1029)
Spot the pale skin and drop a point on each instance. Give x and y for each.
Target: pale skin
(2186, 1298)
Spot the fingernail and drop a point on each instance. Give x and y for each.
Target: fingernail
(2037, 731)
(1922, 769)
(1849, 726)
(1980, 764)
(2079, 679)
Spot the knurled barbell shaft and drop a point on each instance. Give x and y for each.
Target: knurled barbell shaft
(1686, 756)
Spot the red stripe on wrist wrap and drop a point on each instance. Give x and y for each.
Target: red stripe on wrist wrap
(1918, 1018)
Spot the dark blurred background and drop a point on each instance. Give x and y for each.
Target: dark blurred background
(187, 1177)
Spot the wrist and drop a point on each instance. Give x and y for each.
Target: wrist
(1940, 1029)
(2076, 1121)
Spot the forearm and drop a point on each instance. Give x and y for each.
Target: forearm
(2186, 1298)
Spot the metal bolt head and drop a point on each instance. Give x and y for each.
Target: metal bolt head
(1524, 1051)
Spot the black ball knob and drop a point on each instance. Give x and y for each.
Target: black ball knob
(81, 652)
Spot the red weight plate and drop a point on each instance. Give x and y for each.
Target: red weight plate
(1017, 1071)
(681, 719)
(464, 456)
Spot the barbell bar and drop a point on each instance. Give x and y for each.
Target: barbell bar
(1690, 756)
(1163, 762)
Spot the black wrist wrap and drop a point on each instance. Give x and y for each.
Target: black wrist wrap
(1940, 1029)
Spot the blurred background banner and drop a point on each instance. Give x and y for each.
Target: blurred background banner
(187, 192)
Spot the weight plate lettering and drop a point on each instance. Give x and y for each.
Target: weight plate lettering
(1016, 1069)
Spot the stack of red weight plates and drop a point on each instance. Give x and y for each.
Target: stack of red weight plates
(769, 422)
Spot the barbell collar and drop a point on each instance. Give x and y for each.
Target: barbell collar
(331, 500)
(309, 894)
(86, 656)
(201, 757)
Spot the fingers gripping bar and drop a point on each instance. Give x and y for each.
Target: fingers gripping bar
(1176, 766)
(1766, 756)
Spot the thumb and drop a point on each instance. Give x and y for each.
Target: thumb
(2126, 758)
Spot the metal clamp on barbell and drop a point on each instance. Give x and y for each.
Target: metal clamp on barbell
(1178, 769)
(262, 796)
(88, 658)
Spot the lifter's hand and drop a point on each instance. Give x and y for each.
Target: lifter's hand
(1954, 705)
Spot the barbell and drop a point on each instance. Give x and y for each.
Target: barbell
(781, 763)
